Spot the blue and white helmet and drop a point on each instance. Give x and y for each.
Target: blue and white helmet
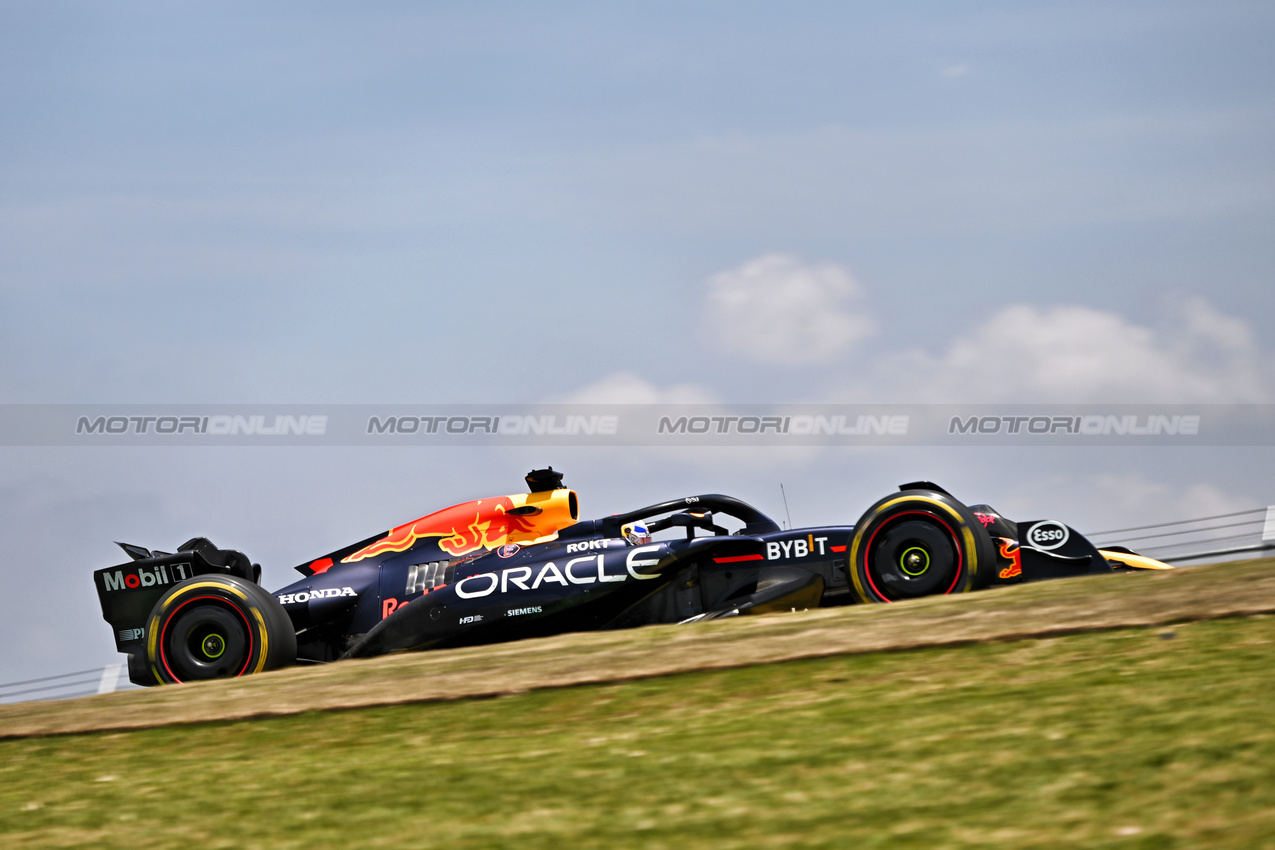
(636, 533)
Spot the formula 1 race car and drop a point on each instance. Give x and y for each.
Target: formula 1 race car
(525, 565)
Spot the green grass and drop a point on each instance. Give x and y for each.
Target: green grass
(1113, 739)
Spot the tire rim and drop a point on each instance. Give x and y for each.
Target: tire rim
(911, 555)
(208, 640)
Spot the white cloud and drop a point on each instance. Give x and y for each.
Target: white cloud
(774, 309)
(630, 388)
(956, 70)
(1131, 495)
(1071, 353)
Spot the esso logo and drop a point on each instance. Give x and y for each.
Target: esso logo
(1047, 535)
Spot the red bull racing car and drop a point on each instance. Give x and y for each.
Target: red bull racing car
(526, 565)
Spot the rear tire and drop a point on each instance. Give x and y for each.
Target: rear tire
(918, 543)
(217, 627)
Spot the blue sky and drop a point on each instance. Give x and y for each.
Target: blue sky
(747, 202)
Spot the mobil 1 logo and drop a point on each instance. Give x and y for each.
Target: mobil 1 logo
(134, 578)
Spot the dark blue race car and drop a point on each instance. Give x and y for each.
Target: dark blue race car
(525, 565)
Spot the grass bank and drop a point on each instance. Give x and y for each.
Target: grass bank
(1149, 737)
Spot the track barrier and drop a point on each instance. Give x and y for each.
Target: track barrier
(80, 683)
(1238, 533)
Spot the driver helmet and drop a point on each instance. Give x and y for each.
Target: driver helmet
(636, 533)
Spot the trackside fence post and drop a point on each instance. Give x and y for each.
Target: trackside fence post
(110, 678)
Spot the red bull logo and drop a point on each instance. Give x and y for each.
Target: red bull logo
(1009, 552)
(483, 524)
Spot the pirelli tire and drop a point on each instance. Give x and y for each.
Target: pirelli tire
(217, 627)
(918, 543)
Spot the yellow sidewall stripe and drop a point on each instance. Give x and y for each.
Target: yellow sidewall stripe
(265, 644)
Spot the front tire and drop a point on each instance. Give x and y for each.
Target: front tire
(217, 627)
(918, 543)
